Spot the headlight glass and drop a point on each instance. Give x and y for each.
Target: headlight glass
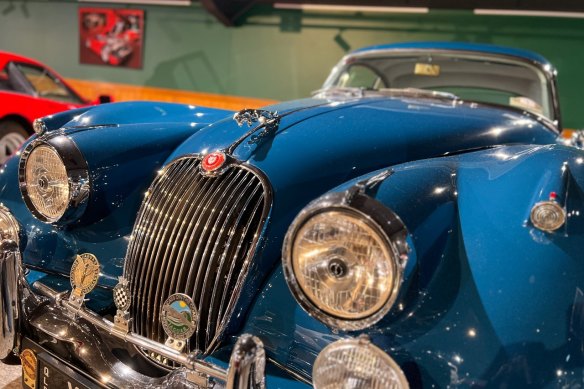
(54, 179)
(356, 364)
(47, 182)
(342, 267)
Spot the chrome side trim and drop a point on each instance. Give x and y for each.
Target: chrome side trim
(10, 271)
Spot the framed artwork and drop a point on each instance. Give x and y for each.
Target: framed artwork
(111, 36)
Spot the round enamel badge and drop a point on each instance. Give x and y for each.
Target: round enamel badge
(213, 161)
(84, 273)
(179, 316)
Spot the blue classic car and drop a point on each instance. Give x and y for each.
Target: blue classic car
(416, 223)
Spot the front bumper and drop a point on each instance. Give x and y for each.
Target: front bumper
(85, 336)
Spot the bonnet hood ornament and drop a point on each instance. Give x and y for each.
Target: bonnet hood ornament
(250, 116)
(268, 122)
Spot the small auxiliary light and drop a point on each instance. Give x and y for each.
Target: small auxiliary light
(548, 215)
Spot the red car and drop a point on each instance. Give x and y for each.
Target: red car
(28, 90)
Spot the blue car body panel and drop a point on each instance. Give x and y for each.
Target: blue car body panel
(401, 130)
(474, 267)
(487, 299)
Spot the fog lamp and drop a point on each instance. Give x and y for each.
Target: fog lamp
(356, 364)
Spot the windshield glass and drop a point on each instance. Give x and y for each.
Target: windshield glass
(469, 77)
(46, 84)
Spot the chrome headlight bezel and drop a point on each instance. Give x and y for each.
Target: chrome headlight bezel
(378, 217)
(78, 178)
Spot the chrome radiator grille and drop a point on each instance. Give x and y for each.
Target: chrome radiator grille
(194, 235)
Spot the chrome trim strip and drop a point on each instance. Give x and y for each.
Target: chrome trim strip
(294, 374)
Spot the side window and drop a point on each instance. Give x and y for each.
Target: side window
(360, 76)
(5, 81)
(42, 81)
(46, 84)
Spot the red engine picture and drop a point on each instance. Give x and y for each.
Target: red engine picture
(111, 37)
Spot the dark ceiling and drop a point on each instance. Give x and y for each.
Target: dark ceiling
(229, 11)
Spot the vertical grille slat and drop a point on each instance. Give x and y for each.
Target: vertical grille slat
(145, 230)
(195, 234)
(203, 234)
(230, 279)
(161, 223)
(189, 199)
(208, 260)
(219, 292)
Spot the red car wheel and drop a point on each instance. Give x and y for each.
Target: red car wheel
(12, 136)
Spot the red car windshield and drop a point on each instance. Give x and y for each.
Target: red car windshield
(38, 81)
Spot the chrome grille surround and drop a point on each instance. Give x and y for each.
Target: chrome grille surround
(197, 235)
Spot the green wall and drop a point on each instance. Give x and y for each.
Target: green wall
(278, 54)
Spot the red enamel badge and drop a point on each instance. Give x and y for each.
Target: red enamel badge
(213, 161)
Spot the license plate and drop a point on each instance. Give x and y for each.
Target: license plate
(53, 374)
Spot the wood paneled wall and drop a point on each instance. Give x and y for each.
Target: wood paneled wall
(123, 92)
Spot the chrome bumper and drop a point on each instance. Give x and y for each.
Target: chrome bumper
(9, 303)
(53, 315)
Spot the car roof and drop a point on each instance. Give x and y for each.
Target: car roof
(460, 46)
(7, 57)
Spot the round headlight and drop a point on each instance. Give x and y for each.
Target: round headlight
(342, 267)
(54, 180)
(47, 183)
(356, 364)
(9, 227)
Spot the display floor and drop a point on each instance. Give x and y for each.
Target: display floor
(9, 377)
